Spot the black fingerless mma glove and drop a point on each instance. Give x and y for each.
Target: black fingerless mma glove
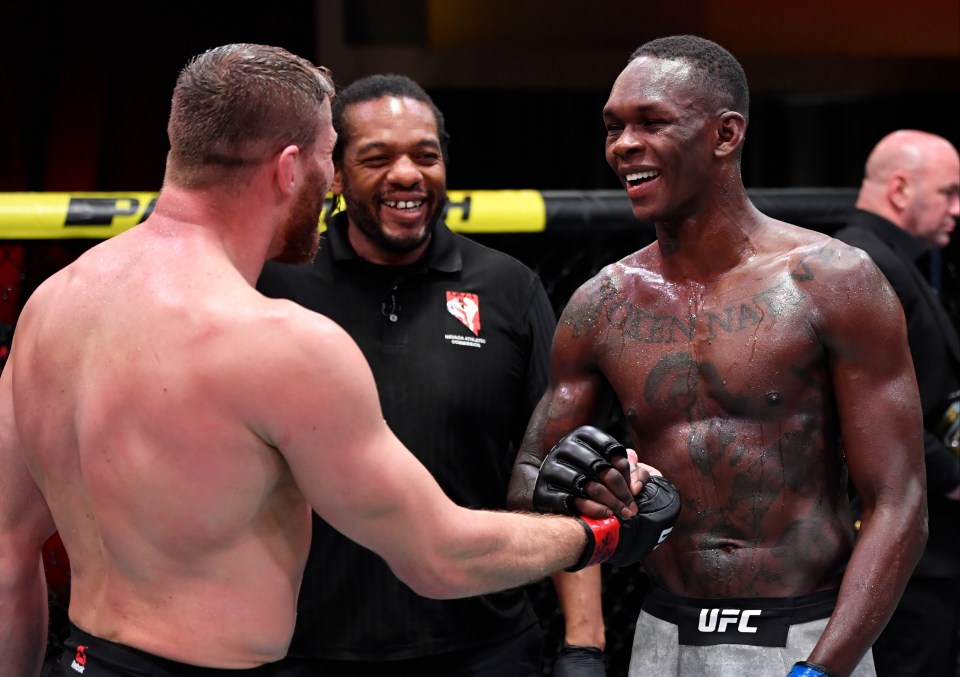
(579, 661)
(621, 543)
(573, 461)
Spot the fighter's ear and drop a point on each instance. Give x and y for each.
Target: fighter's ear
(731, 128)
(287, 168)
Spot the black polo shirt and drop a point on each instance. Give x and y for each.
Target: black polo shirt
(458, 344)
(935, 349)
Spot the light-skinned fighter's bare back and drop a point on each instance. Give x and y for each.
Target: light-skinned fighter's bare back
(156, 483)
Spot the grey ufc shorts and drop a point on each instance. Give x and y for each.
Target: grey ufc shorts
(757, 637)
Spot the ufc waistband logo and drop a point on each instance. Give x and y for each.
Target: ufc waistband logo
(717, 620)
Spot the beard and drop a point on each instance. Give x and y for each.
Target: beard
(300, 233)
(364, 217)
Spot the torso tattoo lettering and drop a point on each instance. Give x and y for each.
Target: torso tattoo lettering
(726, 391)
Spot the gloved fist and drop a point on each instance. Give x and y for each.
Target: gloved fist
(625, 542)
(579, 661)
(574, 460)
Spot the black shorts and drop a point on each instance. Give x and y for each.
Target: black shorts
(520, 656)
(94, 657)
(763, 621)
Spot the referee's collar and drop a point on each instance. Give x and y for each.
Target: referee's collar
(442, 254)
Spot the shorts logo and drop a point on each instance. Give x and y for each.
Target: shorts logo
(80, 660)
(466, 308)
(740, 617)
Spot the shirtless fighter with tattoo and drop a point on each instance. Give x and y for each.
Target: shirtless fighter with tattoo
(758, 365)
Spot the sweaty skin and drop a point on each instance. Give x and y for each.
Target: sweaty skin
(751, 358)
(733, 404)
(176, 427)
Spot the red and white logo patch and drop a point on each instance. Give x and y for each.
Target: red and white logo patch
(466, 308)
(79, 663)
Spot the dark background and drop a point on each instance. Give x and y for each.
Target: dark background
(85, 90)
(85, 86)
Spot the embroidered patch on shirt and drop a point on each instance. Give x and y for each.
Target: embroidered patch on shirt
(466, 308)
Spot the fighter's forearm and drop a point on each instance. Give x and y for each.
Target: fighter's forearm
(580, 599)
(522, 482)
(488, 551)
(889, 545)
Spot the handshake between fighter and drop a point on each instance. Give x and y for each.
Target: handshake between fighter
(584, 456)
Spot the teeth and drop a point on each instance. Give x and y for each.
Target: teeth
(403, 204)
(640, 176)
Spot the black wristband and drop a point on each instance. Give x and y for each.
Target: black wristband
(593, 650)
(587, 550)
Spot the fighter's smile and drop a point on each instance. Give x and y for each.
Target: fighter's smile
(640, 182)
(636, 178)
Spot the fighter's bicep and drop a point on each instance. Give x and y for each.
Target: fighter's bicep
(573, 397)
(575, 375)
(349, 465)
(874, 383)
